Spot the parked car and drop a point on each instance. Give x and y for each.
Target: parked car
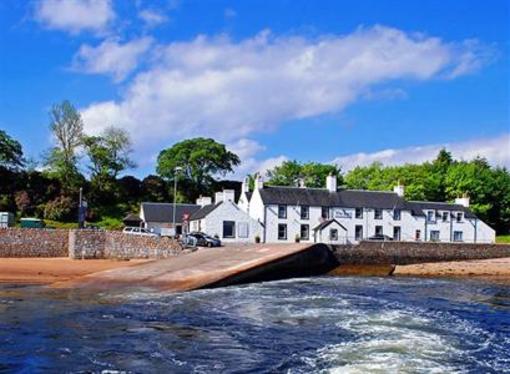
(204, 240)
(138, 231)
(380, 237)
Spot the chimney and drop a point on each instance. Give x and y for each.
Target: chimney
(203, 201)
(331, 183)
(245, 187)
(399, 189)
(218, 197)
(464, 201)
(229, 195)
(301, 182)
(258, 182)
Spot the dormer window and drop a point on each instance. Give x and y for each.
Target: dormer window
(282, 211)
(431, 216)
(377, 213)
(325, 212)
(459, 216)
(445, 216)
(396, 214)
(305, 212)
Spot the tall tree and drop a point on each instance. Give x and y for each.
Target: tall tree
(11, 153)
(109, 154)
(313, 174)
(201, 161)
(67, 128)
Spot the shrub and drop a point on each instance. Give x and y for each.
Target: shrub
(59, 209)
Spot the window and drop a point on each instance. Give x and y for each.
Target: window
(431, 216)
(358, 232)
(242, 229)
(305, 212)
(378, 230)
(377, 213)
(359, 213)
(282, 211)
(325, 212)
(396, 233)
(282, 231)
(396, 214)
(333, 235)
(229, 229)
(417, 235)
(459, 217)
(457, 236)
(445, 216)
(434, 235)
(305, 232)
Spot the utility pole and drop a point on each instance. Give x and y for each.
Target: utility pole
(176, 170)
(80, 210)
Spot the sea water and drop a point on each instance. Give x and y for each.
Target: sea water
(308, 325)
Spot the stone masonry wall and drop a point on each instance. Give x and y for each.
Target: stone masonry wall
(17, 242)
(85, 244)
(88, 244)
(404, 253)
(119, 245)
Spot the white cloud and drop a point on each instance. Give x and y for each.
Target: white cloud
(229, 90)
(248, 151)
(230, 13)
(152, 18)
(111, 57)
(75, 16)
(496, 150)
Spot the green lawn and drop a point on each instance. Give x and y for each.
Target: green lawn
(503, 239)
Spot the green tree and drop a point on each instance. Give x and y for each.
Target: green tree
(313, 174)
(108, 155)
(66, 126)
(11, 153)
(201, 161)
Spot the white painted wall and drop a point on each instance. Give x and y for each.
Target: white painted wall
(212, 224)
(346, 216)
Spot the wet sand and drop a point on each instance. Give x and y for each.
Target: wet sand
(50, 270)
(497, 269)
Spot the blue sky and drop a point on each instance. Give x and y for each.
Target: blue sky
(349, 82)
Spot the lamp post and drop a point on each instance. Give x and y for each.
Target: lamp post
(176, 170)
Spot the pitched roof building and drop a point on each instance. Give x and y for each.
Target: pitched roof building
(347, 216)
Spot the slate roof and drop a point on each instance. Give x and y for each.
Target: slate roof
(163, 212)
(322, 197)
(131, 217)
(326, 223)
(419, 206)
(248, 195)
(352, 199)
(204, 211)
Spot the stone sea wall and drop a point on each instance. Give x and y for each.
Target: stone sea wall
(405, 253)
(16, 242)
(84, 244)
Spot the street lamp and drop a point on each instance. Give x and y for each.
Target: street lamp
(176, 170)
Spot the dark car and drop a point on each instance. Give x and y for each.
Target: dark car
(204, 240)
(380, 237)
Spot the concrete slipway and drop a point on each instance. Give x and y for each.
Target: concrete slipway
(216, 267)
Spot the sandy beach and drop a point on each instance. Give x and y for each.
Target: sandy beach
(497, 269)
(50, 270)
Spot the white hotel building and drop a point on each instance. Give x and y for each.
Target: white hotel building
(338, 216)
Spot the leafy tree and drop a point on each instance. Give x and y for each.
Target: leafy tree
(201, 161)
(313, 174)
(11, 153)
(108, 155)
(60, 209)
(155, 188)
(66, 126)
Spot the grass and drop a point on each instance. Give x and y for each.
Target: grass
(503, 239)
